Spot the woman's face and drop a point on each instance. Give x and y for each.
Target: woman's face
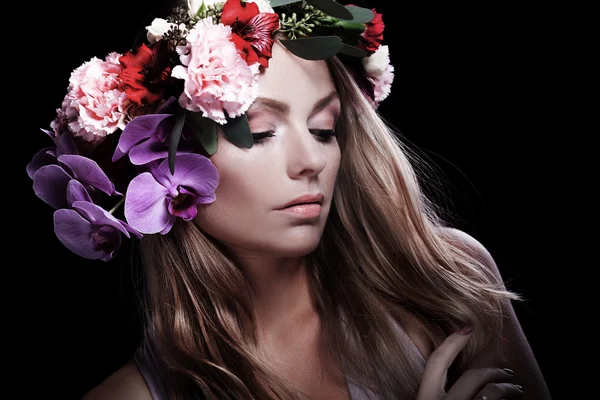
(293, 155)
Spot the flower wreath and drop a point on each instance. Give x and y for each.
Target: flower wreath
(133, 137)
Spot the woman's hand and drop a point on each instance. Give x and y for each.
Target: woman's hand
(478, 383)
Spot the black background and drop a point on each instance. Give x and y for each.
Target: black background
(476, 89)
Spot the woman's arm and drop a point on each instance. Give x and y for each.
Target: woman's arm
(513, 350)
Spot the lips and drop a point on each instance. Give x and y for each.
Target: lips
(305, 199)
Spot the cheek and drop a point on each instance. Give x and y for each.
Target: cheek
(241, 201)
(333, 167)
(225, 217)
(230, 192)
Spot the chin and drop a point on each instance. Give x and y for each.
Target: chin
(296, 246)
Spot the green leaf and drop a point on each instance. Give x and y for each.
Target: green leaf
(205, 131)
(314, 48)
(277, 3)
(353, 51)
(361, 15)
(238, 132)
(350, 27)
(175, 137)
(201, 10)
(332, 8)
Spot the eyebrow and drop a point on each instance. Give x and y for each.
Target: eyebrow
(284, 108)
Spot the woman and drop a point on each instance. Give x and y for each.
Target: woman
(316, 267)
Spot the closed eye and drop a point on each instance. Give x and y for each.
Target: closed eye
(323, 135)
(260, 138)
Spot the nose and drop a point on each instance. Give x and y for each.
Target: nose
(305, 154)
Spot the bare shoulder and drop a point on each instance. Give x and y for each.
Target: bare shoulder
(125, 383)
(467, 243)
(476, 248)
(513, 350)
(463, 239)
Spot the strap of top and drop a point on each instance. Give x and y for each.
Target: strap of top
(146, 362)
(357, 392)
(409, 344)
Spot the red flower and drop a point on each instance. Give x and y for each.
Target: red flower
(252, 31)
(373, 35)
(245, 49)
(145, 73)
(238, 11)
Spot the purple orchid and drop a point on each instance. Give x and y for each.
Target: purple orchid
(155, 199)
(88, 230)
(76, 192)
(50, 182)
(146, 137)
(48, 155)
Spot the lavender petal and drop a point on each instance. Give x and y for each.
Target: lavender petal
(83, 237)
(75, 232)
(193, 171)
(139, 129)
(88, 171)
(169, 226)
(77, 192)
(206, 199)
(44, 157)
(99, 216)
(147, 151)
(146, 204)
(131, 230)
(50, 184)
(66, 144)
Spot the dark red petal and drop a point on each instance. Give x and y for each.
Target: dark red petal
(245, 49)
(264, 61)
(139, 58)
(145, 73)
(259, 32)
(238, 10)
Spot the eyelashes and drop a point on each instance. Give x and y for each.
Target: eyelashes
(323, 136)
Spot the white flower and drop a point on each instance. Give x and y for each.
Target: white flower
(376, 64)
(159, 27)
(264, 6)
(382, 85)
(380, 72)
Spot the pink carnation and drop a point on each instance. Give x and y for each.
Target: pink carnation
(217, 79)
(382, 85)
(380, 73)
(93, 107)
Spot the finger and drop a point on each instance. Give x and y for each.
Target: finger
(436, 369)
(499, 391)
(473, 380)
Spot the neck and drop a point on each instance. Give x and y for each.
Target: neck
(288, 326)
(281, 291)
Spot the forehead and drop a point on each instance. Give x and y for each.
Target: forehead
(290, 78)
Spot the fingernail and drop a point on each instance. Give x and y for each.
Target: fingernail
(519, 387)
(466, 330)
(508, 371)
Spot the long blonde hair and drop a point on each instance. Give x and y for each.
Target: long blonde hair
(382, 260)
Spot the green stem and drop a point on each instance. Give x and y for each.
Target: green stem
(116, 207)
